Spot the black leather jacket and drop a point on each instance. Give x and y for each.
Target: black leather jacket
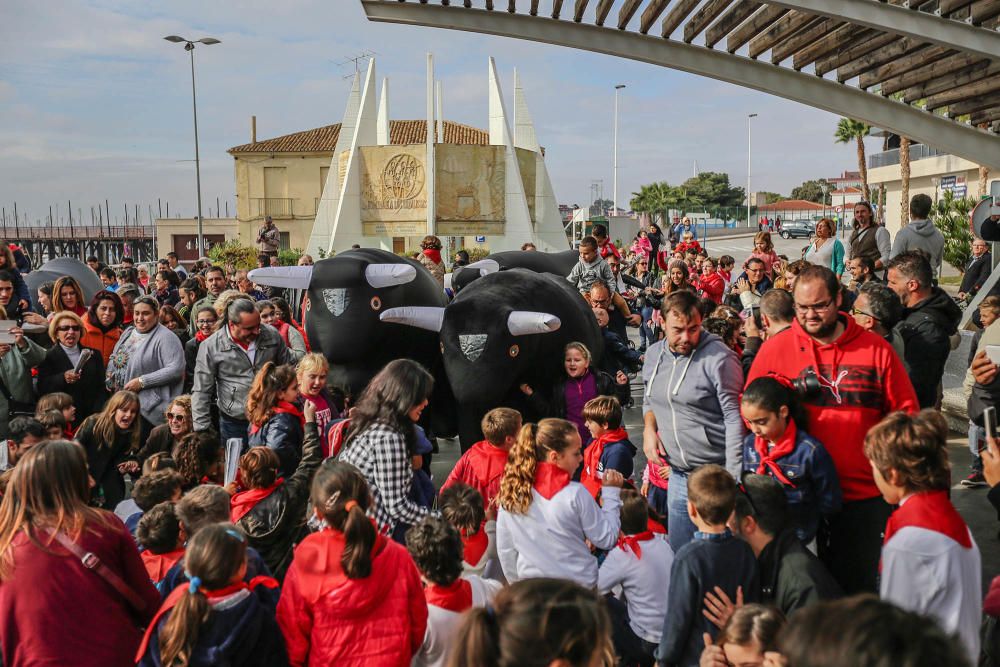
(277, 523)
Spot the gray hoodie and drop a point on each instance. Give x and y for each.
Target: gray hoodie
(920, 235)
(695, 399)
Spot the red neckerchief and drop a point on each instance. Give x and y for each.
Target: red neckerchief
(550, 479)
(434, 255)
(181, 590)
(200, 336)
(783, 447)
(157, 565)
(475, 545)
(244, 501)
(456, 597)
(243, 346)
(931, 510)
(631, 542)
(653, 526)
(283, 407)
(592, 458)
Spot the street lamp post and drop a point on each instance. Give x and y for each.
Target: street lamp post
(189, 46)
(750, 117)
(614, 203)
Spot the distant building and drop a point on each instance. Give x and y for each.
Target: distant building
(791, 209)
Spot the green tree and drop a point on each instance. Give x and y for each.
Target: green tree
(849, 130)
(656, 200)
(951, 216)
(601, 207)
(813, 191)
(772, 197)
(713, 190)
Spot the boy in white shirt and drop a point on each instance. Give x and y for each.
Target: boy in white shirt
(930, 563)
(637, 571)
(436, 548)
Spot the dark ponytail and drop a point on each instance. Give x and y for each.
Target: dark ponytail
(477, 642)
(214, 556)
(771, 393)
(340, 494)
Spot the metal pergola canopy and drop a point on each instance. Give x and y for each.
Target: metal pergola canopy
(929, 71)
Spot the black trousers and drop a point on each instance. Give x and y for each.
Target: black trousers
(632, 650)
(850, 544)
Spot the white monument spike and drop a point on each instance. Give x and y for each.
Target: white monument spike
(382, 126)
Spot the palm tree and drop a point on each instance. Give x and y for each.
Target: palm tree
(656, 199)
(849, 130)
(984, 172)
(904, 177)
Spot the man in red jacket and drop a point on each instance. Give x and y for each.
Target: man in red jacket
(853, 378)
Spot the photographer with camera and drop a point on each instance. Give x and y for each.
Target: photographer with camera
(774, 315)
(268, 238)
(849, 379)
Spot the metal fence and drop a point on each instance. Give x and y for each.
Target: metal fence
(891, 157)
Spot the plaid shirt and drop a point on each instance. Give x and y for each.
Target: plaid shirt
(381, 456)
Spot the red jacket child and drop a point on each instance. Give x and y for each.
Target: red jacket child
(328, 619)
(481, 468)
(712, 286)
(861, 380)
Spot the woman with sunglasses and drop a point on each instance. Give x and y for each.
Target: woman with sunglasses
(59, 373)
(148, 360)
(165, 437)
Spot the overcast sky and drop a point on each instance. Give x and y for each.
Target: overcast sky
(94, 105)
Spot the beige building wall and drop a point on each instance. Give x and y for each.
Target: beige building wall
(922, 173)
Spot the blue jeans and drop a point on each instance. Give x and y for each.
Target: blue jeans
(977, 434)
(680, 529)
(645, 335)
(230, 427)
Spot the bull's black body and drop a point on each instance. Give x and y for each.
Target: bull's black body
(559, 263)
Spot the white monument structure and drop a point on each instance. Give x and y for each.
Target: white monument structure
(377, 191)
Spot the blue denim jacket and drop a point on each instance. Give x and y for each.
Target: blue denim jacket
(817, 488)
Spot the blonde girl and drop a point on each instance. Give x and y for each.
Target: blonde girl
(763, 249)
(311, 372)
(545, 519)
(112, 438)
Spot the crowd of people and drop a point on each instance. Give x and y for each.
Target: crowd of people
(182, 486)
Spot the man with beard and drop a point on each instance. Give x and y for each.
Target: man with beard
(691, 411)
(869, 239)
(850, 379)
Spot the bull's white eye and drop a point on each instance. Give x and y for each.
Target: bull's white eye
(376, 303)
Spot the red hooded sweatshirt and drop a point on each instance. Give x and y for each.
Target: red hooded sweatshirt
(862, 379)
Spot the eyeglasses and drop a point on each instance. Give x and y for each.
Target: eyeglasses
(816, 307)
(175, 417)
(855, 311)
(203, 323)
(69, 327)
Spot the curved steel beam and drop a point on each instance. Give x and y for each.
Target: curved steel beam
(958, 138)
(907, 22)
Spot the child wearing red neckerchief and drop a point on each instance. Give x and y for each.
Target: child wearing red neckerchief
(930, 563)
(162, 539)
(275, 418)
(436, 549)
(779, 446)
(610, 448)
(217, 617)
(462, 507)
(635, 576)
(546, 522)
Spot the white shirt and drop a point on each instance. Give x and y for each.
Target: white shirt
(929, 573)
(644, 582)
(548, 541)
(442, 624)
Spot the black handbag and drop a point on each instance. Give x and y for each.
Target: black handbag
(15, 407)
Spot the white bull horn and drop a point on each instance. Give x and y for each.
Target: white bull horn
(485, 266)
(293, 277)
(524, 322)
(422, 317)
(389, 275)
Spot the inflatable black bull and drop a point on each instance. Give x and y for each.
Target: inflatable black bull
(559, 263)
(505, 329)
(346, 295)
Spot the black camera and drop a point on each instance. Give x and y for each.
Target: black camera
(807, 386)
